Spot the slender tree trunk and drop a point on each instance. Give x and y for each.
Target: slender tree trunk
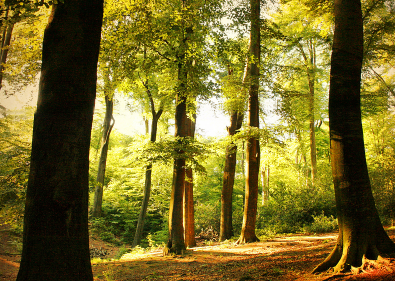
(265, 184)
(4, 49)
(55, 235)
(189, 212)
(311, 77)
(148, 174)
(101, 170)
(361, 234)
(310, 63)
(226, 226)
(253, 150)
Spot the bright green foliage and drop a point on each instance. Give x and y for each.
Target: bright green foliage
(24, 55)
(293, 203)
(378, 81)
(123, 193)
(380, 155)
(15, 146)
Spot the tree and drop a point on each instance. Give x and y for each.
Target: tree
(226, 226)
(189, 211)
(305, 36)
(235, 91)
(22, 24)
(55, 239)
(108, 124)
(361, 234)
(252, 151)
(5, 45)
(148, 172)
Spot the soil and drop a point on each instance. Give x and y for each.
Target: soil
(283, 258)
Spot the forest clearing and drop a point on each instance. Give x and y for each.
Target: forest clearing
(281, 258)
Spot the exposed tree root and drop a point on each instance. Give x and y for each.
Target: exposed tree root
(368, 266)
(172, 248)
(243, 239)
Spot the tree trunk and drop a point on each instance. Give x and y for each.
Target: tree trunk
(101, 170)
(253, 150)
(226, 226)
(6, 40)
(189, 213)
(175, 242)
(55, 235)
(361, 234)
(310, 63)
(265, 174)
(148, 173)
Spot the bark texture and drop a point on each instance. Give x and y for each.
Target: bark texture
(101, 170)
(361, 234)
(253, 150)
(176, 242)
(55, 235)
(226, 226)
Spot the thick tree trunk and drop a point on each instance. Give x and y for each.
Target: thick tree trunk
(361, 235)
(55, 235)
(176, 242)
(101, 170)
(253, 150)
(147, 185)
(226, 226)
(189, 211)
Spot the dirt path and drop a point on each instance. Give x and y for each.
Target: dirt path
(280, 259)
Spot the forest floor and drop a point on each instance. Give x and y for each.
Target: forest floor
(283, 258)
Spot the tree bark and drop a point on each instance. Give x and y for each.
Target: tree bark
(226, 226)
(101, 170)
(253, 150)
(176, 242)
(55, 235)
(361, 234)
(189, 211)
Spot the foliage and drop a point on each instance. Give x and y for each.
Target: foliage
(24, 54)
(322, 224)
(380, 155)
(15, 146)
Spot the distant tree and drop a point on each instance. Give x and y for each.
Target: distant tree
(236, 101)
(108, 124)
(189, 211)
(55, 237)
(252, 150)
(361, 234)
(156, 114)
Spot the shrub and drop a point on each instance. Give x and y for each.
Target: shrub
(322, 224)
